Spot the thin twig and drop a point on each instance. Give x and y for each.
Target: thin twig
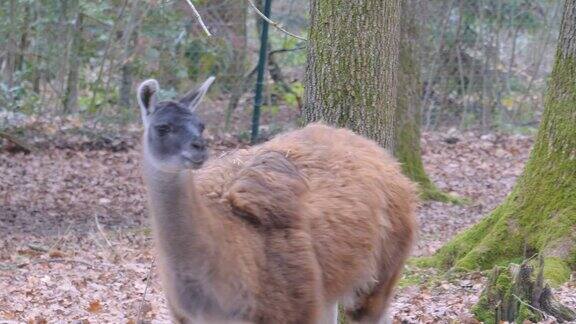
(115, 255)
(105, 24)
(534, 308)
(148, 279)
(275, 24)
(61, 238)
(102, 232)
(284, 50)
(22, 265)
(197, 14)
(37, 248)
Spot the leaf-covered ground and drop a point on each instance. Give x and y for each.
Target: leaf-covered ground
(75, 243)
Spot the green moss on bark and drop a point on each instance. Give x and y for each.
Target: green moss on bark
(498, 290)
(525, 313)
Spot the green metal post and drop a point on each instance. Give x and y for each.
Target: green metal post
(261, 70)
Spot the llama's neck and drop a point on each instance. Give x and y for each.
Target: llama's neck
(182, 225)
(191, 244)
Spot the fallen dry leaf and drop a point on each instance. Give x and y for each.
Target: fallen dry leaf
(56, 254)
(95, 306)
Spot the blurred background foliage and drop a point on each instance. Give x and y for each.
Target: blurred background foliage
(484, 62)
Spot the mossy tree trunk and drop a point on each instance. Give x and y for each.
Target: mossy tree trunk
(409, 117)
(363, 75)
(539, 216)
(351, 77)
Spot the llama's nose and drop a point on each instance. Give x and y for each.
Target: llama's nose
(198, 144)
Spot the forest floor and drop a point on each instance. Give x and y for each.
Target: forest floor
(75, 243)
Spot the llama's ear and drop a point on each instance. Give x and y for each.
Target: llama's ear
(147, 98)
(193, 98)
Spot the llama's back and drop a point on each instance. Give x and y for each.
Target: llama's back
(359, 204)
(347, 192)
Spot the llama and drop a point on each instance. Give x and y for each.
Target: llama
(281, 232)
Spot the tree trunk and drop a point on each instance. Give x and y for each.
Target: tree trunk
(126, 85)
(409, 117)
(71, 95)
(11, 52)
(35, 60)
(539, 216)
(351, 77)
(63, 37)
(24, 39)
(126, 79)
(129, 42)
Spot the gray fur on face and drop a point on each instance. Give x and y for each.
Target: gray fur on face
(173, 132)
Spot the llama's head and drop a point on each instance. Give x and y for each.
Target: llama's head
(172, 131)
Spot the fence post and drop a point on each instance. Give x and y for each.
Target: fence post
(261, 70)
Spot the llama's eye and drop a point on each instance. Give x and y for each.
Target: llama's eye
(163, 129)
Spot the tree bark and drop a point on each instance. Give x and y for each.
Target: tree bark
(126, 85)
(351, 77)
(11, 48)
(24, 39)
(539, 216)
(409, 116)
(71, 95)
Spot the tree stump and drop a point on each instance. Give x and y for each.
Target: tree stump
(516, 294)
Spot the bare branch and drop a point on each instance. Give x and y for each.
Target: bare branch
(19, 143)
(37, 248)
(112, 249)
(275, 24)
(532, 307)
(22, 265)
(61, 238)
(284, 50)
(197, 14)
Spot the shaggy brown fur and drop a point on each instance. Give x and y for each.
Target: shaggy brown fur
(279, 232)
